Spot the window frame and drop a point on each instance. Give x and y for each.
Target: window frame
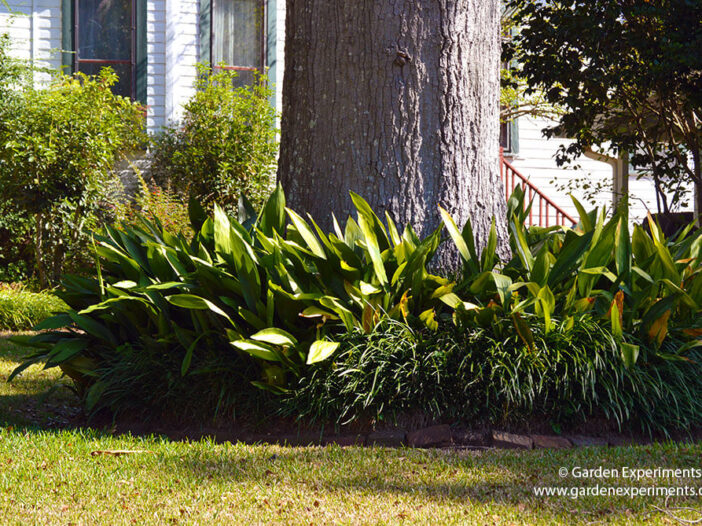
(511, 135)
(208, 7)
(138, 60)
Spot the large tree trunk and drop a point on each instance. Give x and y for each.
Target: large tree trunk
(398, 101)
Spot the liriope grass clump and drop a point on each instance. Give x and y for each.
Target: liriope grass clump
(21, 309)
(452, 374)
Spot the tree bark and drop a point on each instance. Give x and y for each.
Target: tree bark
(398, 101)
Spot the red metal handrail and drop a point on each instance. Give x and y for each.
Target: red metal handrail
(512, 178)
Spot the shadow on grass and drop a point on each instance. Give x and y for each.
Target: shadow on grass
(37, 397)
(460, 480)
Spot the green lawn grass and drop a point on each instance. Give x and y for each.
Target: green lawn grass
(52, 476)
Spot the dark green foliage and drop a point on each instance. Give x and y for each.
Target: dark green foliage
(470, 375)
(627, 76)
(245, 301)
(225, 146)
(16, 248)
(391, 371)
(16, 251)
(642, 287)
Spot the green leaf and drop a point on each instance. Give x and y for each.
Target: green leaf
(273, 215)
(622, 250)
(188, 358)
(630, 353)
(392, 230)
(65, 350)
(197, 214)
(541, 268)
(642, 246)
(548, 305)
(366, 221)
(316, 312)
(455, 234)
(25, 365)
(245, 212)
(93, 327)
(600, 271)
(584, 217)
(54, 322)
(566, 261)
(429, 319)
(368, 289)
(169, 285)
(615, 317)
(320, 350)
(451, 299)
(523, 330)
(668, 264)
(503, 284)
(94, 394)
(190, 301)
(346, 316)
(222, 232)
(307, 234)
(275, 336)
(256, 349)
(126, 284)
(107, 304)
(489, 255)
(364, 210)
(521, 244)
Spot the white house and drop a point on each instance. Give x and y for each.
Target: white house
(154, 45)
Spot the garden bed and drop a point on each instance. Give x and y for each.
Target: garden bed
(24, 402)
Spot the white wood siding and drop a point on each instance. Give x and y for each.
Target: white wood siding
(536, 160)
(156, 64)
(280, 55)
(35, 29)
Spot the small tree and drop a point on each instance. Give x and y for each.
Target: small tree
(57, 150)
(225, 146)
(629, 76)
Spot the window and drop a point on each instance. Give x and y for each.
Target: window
(506, 136)
(108, 33)
(236, 37)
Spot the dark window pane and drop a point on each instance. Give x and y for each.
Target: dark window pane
(243, 77)
(505, 136)
(238, 32)
(124, 71)
(105, 29)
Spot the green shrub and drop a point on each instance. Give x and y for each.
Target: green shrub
(21, 309)
(59, 146)
(15, 75)
(224, 147)
(259, 300)
(253, 295)
(15, 226)
(644, 288)
(16, 250)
